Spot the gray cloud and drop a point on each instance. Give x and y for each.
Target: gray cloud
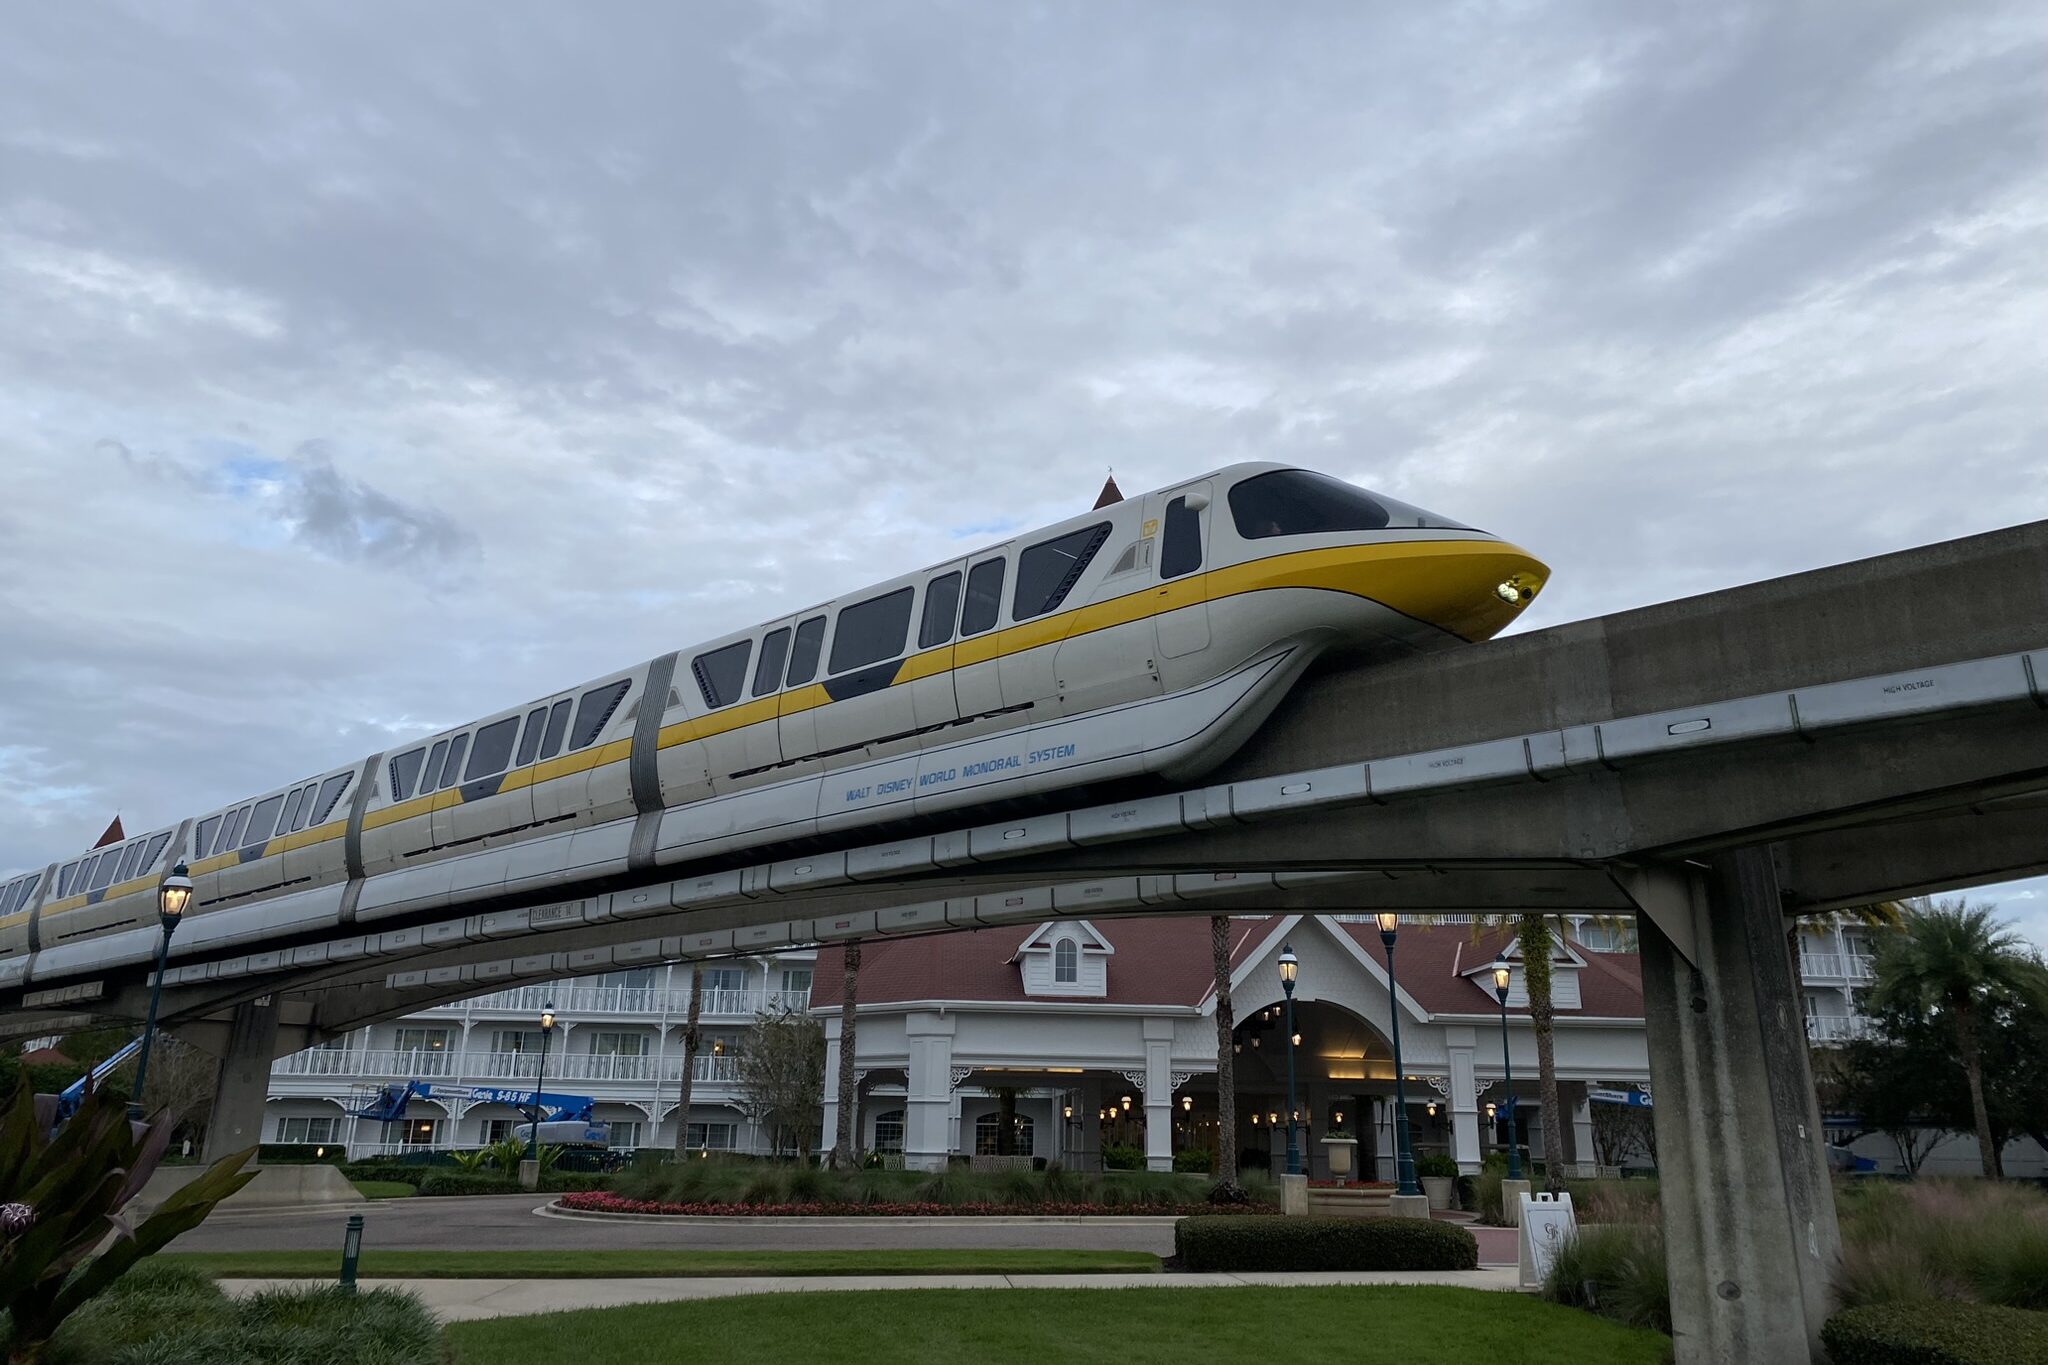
(442, 356)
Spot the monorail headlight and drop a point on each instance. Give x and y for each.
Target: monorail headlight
(1516, 591)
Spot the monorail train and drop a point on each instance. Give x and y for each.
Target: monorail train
(1146, 637)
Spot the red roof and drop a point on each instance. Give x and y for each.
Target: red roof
(1164, 960)
(114, 835)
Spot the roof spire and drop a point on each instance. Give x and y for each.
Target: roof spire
(1110, 493)
(114, 835)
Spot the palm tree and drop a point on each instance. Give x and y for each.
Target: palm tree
(1226, 1064)
(1533, 934)
(691, 1035)
(1956, 963)
(845, 1148)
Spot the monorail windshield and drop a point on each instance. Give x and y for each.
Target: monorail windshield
(1294, 502)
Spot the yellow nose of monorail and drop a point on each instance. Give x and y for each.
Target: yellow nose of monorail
(1473, 589)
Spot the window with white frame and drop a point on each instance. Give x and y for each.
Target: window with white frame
(497, 1130)
(1066, 962)
(889, 1132)
(420, 1132)
(294, 1128)
(624, 1134)
(715, 1137)
(609, 1043)
(796, 980)
(422, 1040)
(988, 1126)
(515, 1040)
(724, 978)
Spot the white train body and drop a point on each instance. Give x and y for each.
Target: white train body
(1149, 637)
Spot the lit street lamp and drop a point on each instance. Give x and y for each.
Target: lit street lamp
(1290, 965)
(1404, 1155)
(1501, 973)
(547, 1030)
(173, 894)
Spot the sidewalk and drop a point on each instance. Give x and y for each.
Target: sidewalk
(470, 1300)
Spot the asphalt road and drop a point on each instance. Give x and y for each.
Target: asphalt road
(509, 1222)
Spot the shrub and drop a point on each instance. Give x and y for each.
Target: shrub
(1260, 1186)
(1617, 1270)
(301, 1154)
(1117, 1157)
(460, 1182)
(1937, 1334)
(386, 1170)
(1944, 1239)
(1198, 1160)
(767, 1187)
(1224, 1242)
(568, 1182)
(1434, 1165)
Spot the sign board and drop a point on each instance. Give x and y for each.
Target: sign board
(1633, 1098)
(1547, 1224)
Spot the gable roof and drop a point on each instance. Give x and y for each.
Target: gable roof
(1165, 960)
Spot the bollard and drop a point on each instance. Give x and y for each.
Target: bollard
(351, 1249)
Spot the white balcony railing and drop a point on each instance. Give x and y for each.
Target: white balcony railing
(636, 1001)
(1836, 1028)
(388, 1064)
(1835, 967)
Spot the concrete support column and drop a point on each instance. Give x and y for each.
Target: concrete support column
(1159, 1094)
(928, 1103)
(244, 1084)
(1464, 1100)
(1088, 1137)
(1749, 1215)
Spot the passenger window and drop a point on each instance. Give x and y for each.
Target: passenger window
(492, 750)
(451, 772)
(202, 842)
(774, 650)
(984, 597)
(233, 831)
(558, 725)
(1047, 571)
(803, 655)
(596, 708)
(156, 848)
(129, 861)
(431, 778)
(1181, 552)
(65, 876)
(103, 870)
(871, 631)
(941, 605)
(8, 896)
(262, 820)
(330, 792)
(529, 738)
(292, 806)
(722, 674)
(28, 888)
(404, 769)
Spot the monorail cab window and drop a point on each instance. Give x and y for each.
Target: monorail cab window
(1295, 502)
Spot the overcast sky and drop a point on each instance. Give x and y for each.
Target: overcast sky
(367, 368)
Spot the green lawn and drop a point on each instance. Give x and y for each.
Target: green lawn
(1414, 1326)
(584, 1265)
(383, 1189)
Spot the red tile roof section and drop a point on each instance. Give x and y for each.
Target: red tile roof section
(1164, 960)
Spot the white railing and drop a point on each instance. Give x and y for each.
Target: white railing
(392, 1064)
(639, 1001)
(1835, 967)
(1836, 1028)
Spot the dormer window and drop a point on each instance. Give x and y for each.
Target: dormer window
(1066, 962)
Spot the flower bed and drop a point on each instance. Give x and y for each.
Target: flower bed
(597, 1201)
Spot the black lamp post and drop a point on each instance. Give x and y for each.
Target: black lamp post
(1290, 965)
(547, 1030)
(173, 894)
(1404, 1154)
(1501, 972)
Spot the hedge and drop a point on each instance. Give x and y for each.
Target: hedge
(1237, 1243)
(388, 1170)
(462, 1182)
(1937, 1332)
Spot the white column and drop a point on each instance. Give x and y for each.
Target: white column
(1159, 1094)
(1464, 1098)
(1585, 1151)
(831, 1106)
(929, 1105)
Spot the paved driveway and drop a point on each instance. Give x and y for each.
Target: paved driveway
(509, 1222)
